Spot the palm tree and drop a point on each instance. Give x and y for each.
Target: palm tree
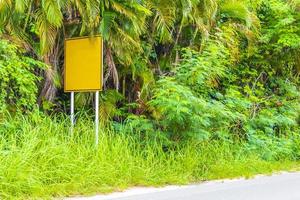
(121, 25)
(41, 27)
(38, 26)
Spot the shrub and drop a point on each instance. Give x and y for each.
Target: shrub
(18, 83)
(208, 97)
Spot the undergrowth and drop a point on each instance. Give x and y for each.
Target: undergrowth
(41, 159)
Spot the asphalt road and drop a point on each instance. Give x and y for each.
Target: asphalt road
(284, 186)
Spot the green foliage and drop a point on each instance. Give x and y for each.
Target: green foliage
(18, 83)
(202, 72)
(202, 101)
(189, 84)
(108, 105)
(182, 105)
(175, 107)
(177, 110)
(186, 69)
(280, 40)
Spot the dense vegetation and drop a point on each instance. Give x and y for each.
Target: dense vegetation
(39, 160)
(187, 83)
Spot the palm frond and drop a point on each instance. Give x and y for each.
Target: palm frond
(52, 11)
(164, 18)
(106, 23)
(21, 5)
(46, 31)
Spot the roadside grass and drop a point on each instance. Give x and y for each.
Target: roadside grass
(39, 159)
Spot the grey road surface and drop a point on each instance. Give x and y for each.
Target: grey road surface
(284, 186)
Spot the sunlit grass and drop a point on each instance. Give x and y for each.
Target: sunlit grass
(41, 159)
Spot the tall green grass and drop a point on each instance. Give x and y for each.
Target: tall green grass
(40, 159)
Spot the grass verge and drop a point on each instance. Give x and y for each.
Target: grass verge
(39, 159)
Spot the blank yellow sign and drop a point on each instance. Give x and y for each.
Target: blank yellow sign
(83, 64)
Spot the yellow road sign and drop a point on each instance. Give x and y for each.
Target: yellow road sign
(83, 64)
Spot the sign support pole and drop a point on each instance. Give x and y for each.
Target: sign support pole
(72, 112)
(97, 118)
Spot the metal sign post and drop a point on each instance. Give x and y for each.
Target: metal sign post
(72, 112)
(97, 118)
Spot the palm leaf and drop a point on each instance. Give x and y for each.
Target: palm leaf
(46, 32)
(21, 5)
(106, 23)
(164, 18)
(52, 11)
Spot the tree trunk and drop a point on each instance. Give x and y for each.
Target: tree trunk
(112, 70)
(49, 89)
